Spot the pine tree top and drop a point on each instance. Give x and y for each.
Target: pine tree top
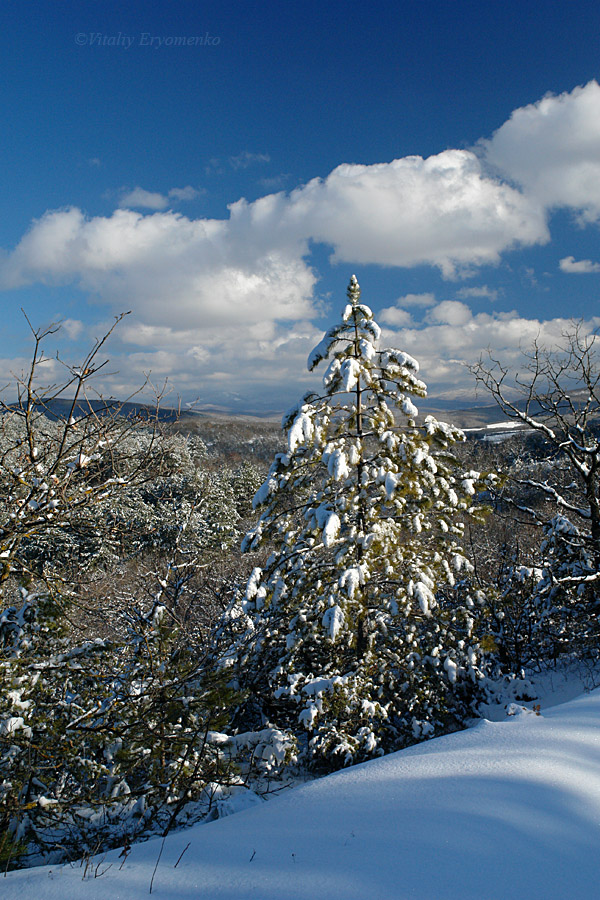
(353, 291)
(357, 323)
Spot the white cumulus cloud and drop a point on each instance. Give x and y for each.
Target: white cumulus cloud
(141, 199)
(394, 316)
(169, 269)
(185, 193)
(552, 150)
(398, 315)
(578, 266)
(443, 211)
(449, 312)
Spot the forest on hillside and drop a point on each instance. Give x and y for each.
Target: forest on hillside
(191, 608)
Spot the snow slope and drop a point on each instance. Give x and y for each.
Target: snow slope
(503, 811)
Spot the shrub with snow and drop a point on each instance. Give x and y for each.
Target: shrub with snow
(102, 743)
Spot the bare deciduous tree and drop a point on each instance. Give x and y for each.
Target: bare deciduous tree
(557, 398)
(58, 457)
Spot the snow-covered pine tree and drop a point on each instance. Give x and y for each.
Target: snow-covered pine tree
(349, 644)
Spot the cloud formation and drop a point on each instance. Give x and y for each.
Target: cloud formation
(399, 315)
(578, 267)
(551, 149)
(142, 199)
(482, 291)
(225, 298)
(245, 159)
(447, 211)
(139, 198)
(453, 338)
(442, 211)
(169, 269)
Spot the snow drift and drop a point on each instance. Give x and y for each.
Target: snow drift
(507, 809)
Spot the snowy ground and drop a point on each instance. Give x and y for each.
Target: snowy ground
(503, 811)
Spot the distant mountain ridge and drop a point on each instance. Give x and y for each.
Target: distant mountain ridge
(60, 408)
(469, 417)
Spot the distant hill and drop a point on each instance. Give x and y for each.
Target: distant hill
(466, 417)
(471, 418)
(60, 408)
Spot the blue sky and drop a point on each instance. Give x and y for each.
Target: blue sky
(221, 170)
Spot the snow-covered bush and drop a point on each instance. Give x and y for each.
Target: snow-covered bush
(567, 596)
(105, 739)
(347, 641)
(101, 743)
